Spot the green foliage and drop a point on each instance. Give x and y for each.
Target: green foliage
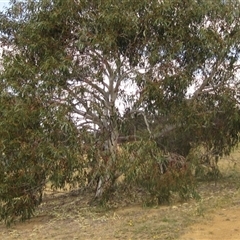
(159, 174)
(204, 164)
(35, 147)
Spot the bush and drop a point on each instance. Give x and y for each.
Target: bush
(35, 146)
(159, 174)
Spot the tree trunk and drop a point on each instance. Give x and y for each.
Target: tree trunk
(106, 180)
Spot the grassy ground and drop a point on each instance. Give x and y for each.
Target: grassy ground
(64, 216)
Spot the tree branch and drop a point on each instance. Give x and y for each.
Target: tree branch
(207, 79)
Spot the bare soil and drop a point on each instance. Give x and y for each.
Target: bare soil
(225, 224)
(64, 216)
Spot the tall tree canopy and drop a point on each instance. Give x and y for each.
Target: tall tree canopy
(164, 70)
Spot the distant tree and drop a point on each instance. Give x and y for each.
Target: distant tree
(86, 62)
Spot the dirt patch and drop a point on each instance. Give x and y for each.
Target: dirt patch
(223, 225)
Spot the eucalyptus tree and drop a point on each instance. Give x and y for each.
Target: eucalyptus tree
(194, 84)
(98, 64)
